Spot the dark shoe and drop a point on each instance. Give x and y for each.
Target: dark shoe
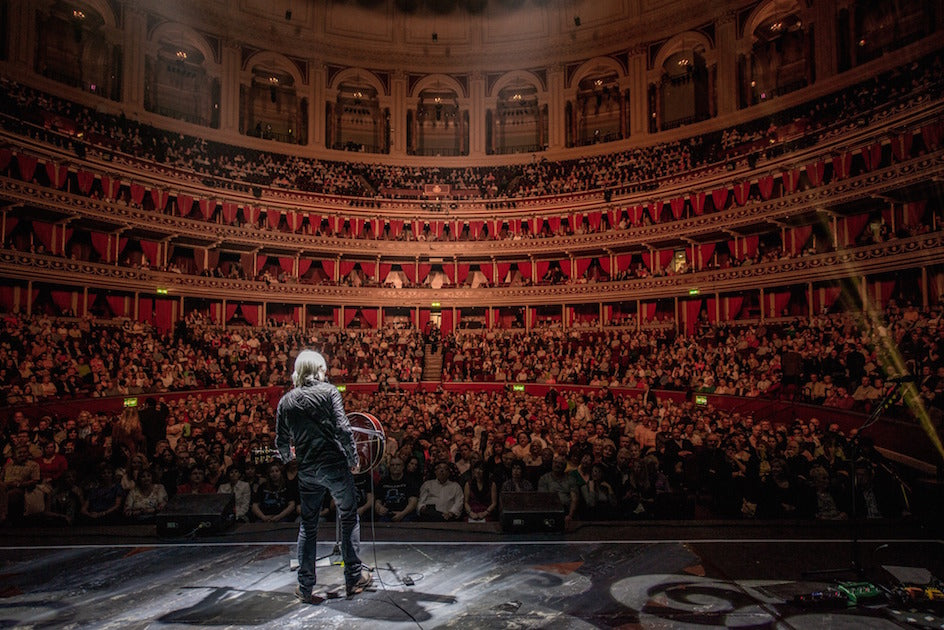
(311, 598)
(359, 586)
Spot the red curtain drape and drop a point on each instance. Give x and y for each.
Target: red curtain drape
(101, 244)
(446, 321)
(145, 309)
(698, 203)
(791, 180)
(594, 219)
(503, 269)
(582, 265)
(328, 265)
(117, 305)
(251, 314)
(750, 246)
(565, 267)
(842, 166)
(160, 198)
(304, 264)
(273, 218)
(766, 187)
(184, 204)
(800, 236)
(524, 268)
(655, 211)
(872, 156)
(370, 316)
(931, 135)
(692, 308)
(27, 164)
(6, 156)
(43, 232)
(540, 268)
(622, 261)
(424, 269)
(164, 314)
(731, 307)
(678, 205)
(85, 181)
(287, 265)
(776, 302)
(409, 269)
(62, 299)
(137, 194)
(665, 257)
(741, 192)
(719, 197)
(150, 250)
(648, 311)
(710, 306)
(705, 251)
(913, 212)
(229, 212)
(261, 260)
(295, 220)
(346, 267)
(57, 174)
(854, 226)
(816, 171)
(207, 206)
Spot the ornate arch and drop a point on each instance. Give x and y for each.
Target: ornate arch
(277, 61)
(176, 30)
(440, 81)
(689, 40)
(102, 7)
(513, 77)
(358, 74)
(768, 10)
(596, 64)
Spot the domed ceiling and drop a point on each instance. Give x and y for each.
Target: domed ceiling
(433, 35)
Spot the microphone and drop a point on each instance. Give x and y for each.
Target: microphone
(904, 378)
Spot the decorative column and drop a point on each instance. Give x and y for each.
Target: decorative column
(556, 121)
(638, 92)
(727, 49)
(133, 40)
(316, 94)
(477, 115)
(398, 107)
(229, 87)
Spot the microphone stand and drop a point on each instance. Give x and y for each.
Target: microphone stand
(855, 567)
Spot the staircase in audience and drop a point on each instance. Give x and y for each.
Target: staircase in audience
(432, 368)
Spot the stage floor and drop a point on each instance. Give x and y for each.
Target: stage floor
(595, 576)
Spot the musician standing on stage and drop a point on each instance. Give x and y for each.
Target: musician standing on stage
(311, 418)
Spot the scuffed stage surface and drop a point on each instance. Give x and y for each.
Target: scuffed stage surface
(596, 577)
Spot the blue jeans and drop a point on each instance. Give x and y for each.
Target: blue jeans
(338, 480)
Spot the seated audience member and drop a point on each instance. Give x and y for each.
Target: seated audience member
(363, 493)
(145, 499)
(272, 502)
(517, 482)
(563, 484)
(103, 498)
(599, 499)
(397, 494)
(64, 501)
(481, 495)
(196, 483)
(243, 493)
(441, 498)
(21, 477)
(52, 463)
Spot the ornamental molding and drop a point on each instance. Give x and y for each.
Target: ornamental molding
(909, 253)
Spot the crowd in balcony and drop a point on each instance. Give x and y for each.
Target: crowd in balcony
(55, 120)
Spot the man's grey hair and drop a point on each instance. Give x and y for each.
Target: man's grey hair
(310, 367)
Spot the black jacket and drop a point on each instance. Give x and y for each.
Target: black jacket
(312, 418)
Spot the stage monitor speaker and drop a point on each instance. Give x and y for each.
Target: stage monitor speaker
(531, 512)
(188, 514)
